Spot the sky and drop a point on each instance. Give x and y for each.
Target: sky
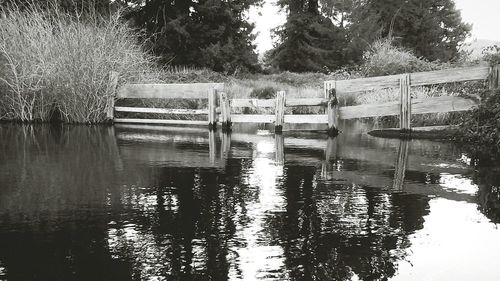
(483, 14)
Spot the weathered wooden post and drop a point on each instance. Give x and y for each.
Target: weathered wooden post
(212, 99)
(400, 167)
(113, 84)
(280, 112)
(405, 109)
(333, 113)
(225, 109)
(494, 77)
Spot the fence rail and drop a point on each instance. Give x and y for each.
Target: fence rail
(168, 91)
(417, 79)
(220, 106)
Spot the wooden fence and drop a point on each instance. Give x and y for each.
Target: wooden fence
(219, 108)
(170, 91)
(407, 106)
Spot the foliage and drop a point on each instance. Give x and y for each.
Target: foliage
(491, 54)
(361, 25)
(483, 124)
(308, 41)
(324, 35)
(263, 93)
(192, 75)
(54, 62)
(383, 58)
(432, 28)
(204, 33)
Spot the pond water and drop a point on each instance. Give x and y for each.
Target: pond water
(158, 203)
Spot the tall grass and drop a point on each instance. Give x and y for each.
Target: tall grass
(54, 62)
(384, 58)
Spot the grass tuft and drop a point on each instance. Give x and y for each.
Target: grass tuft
(54, 62)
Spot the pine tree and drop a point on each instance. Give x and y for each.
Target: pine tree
(308, 41)
(432, 28)
(207, 33)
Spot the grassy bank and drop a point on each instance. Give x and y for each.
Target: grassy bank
(53, 63)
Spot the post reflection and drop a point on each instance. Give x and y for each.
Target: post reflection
(140, 204)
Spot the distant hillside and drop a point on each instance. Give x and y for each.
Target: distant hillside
(476, 47)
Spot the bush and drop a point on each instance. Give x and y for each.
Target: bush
(263, 93)
(386, 59)
(483, 124)
(183, 74)
(51, 61)
(491, 54)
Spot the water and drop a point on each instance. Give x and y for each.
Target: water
(132, 203)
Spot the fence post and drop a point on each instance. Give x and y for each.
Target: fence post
(333, 113)
(280, 112)
(405, 97)
(113, 84)
(212, 98)
(493, 77)
(225, 110)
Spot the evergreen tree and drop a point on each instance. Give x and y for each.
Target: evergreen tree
(432, 28)
(308, 41)
(207, 33)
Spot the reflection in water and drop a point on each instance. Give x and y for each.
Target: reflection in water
(430, 257)
(256, 256)
(158, 203)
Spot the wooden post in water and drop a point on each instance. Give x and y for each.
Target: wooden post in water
(333, 113)
(405, 97)
(280, 112)
(279, 142)
(225, 109)
(494, 77)
(113, 84)
(400, 166)
(212, 99)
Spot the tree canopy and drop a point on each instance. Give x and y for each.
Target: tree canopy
(203, 33)
(308, 41)
(319, 35)
(433, 29)
(326, 34)
(206, 33)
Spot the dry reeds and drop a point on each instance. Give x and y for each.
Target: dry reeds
(51, 61)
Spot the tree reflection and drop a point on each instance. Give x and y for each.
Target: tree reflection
(52, 203)
(338, 231)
